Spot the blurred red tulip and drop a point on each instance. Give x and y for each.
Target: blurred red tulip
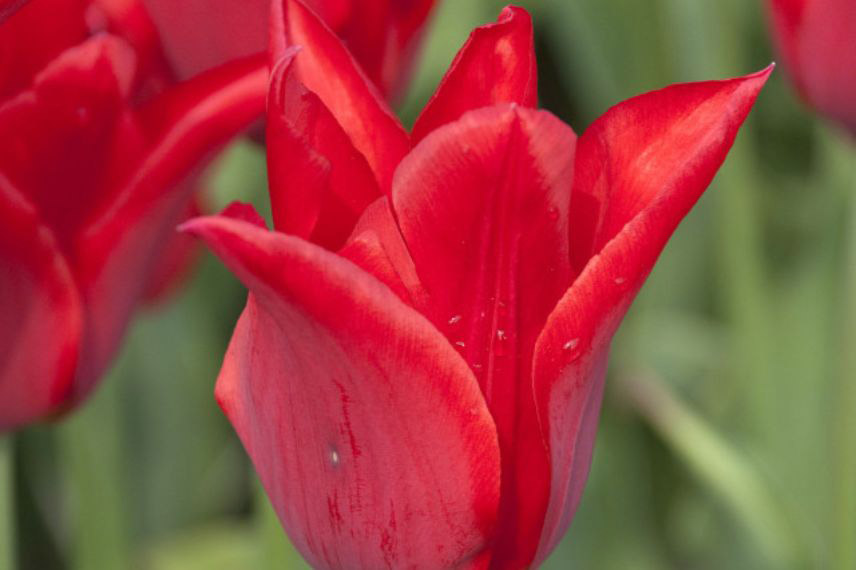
(383, 35)
(92, 185)
(817, 40)
(426, 396)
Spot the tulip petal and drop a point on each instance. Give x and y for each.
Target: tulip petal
(483, 207)
(327, 69)
(198, 35)
(319, 183)
(68, 120)
(37, 34)
(378, 247)
(400, 23)
(40, 317)
(176, 262)
(639, 170)
(496, 65)
(121, 245)
(674, 138)
(9, 7)
(333, 385)
(827, 58)
(130, 20)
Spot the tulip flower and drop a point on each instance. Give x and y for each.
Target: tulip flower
(383, 35)
(92, 184)
(817, 41)
(418, 372)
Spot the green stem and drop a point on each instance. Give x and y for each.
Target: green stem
(719, 466)
(91, 452)
(7, 505)
(840, 158)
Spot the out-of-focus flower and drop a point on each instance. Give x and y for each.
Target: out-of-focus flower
(421, 390)
(92, 184)
(817, 40)
(383, 35)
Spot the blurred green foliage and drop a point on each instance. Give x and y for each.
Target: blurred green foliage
(727, 439)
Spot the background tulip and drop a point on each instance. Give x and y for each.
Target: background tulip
(383, 35)
(472, 308)
(817, 40)
(93, 184)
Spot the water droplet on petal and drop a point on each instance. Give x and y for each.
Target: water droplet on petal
(455, 320)
(334, 458)
(500, 334)
(571, 344)
(620, 280)
(461, 343)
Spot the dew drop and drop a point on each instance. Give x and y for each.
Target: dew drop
(571, 344)
(455, 320)
(477, 366)
(500, 334)
(620, 280)
(461, 343)
(334, 458)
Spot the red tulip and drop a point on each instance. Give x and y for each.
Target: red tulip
(426, 395)
(197, 34)
(817, 40)
(91, 187)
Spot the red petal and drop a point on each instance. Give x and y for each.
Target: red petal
(327, 69)
(40, 315)
(176, 262)
(119, 249)
(483, 207)
(649, 146)
(384, 35)
(319, 183)
(69, 120)
(787, 16)
(130, 20)
(639, 170)
(333, 384)
(496, 65)
(818, 40)
(9, 7)
(244, 212)
(378, 247)
(35, 36)
(198, 35)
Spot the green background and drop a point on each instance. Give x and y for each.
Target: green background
(727, 438)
